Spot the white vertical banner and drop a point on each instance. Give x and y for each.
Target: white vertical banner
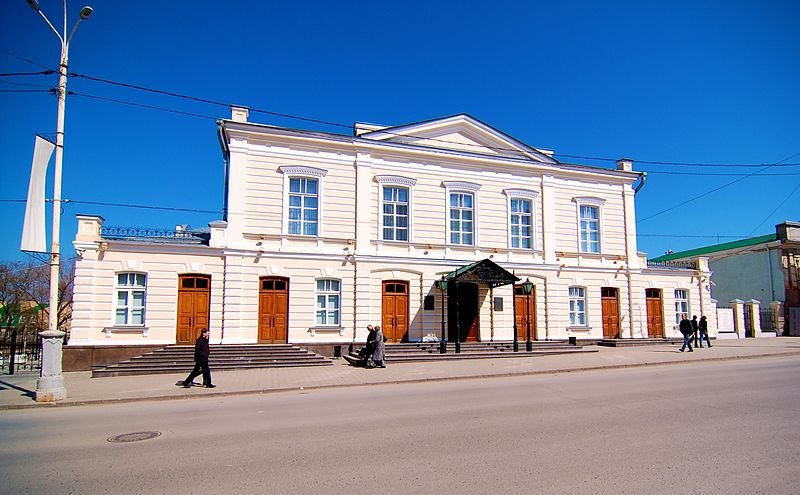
(34, 237)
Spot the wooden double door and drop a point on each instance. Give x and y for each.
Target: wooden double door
(655, 314)
(394, 310)
(610, 302)
(273, 310)
(524, 308)
(194, 303)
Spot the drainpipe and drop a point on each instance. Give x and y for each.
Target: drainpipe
(642, 180)
(226, 156)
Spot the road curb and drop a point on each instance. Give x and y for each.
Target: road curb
(160, 398)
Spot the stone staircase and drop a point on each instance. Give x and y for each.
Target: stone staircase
(180, 359)
(429, 351)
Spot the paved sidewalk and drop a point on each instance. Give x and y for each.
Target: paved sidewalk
(16, 391)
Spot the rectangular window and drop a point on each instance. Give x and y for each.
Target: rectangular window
(521, 223)
(303, 206)
(130, 302)
(395, 213)
(590, 229)
(462, 224)
(681, 304)
(328, 298)
(577, 306)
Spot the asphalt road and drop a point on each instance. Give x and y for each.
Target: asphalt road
(726, 427)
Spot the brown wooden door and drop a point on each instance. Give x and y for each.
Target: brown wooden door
(273, 310)
(524, 307)
(610, 299)
(462, 301)
(394, 310)
(655, 314)
(194, 303)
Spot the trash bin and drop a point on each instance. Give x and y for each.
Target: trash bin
(573, 340)
(337, 351)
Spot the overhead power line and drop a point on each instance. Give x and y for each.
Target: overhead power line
(348, 126)
(715, 189)
(40, 73)
(25, 60)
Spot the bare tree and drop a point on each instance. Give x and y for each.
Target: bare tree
(25, 294)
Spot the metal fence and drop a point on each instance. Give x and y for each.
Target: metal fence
(19, 351)
(767, 319)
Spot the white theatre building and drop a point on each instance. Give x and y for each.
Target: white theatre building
(324, 233)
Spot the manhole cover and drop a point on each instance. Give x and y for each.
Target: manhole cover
(134, 437)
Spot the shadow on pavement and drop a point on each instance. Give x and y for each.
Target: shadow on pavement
(27, 393)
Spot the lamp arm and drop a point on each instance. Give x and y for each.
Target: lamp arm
(73, 31)
(51, 26)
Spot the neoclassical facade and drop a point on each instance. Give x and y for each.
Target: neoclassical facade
(324, 233)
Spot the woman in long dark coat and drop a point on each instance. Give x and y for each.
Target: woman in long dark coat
(379, 356)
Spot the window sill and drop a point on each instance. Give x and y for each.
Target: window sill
(338, 329)
(126, 329)
(579, 329)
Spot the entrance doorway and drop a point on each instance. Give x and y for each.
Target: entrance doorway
(394, 310)
(273, 310)
(655, 314)
(523, 309)
(465, 296)
(610, 300)
(194, 302)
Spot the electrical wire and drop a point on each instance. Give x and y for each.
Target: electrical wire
(141, 105)
(776, 209)
(26, 60)
(715, 189)
(347, 126)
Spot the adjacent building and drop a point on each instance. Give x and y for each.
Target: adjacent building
(325, 233)
(764, 269)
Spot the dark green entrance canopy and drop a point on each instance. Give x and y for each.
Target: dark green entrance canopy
(482, 272)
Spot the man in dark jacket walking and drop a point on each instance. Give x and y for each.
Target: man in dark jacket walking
(695, 329)
(201, 353)
(686, 329)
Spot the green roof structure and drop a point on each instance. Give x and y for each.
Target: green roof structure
(708, 250)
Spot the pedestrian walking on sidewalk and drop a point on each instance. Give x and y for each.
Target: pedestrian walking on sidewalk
(201, 353)
(685, 327)
(695, 330)
(703, 326)
(379, 356)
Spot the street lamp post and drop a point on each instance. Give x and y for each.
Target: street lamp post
(527, 286)
(442, 285)
(50, 386)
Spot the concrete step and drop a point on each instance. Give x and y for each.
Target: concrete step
(180, 359)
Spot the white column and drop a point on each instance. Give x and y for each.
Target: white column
(738, 317)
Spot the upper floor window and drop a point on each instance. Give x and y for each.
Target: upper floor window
(589, 224)
(303, 206)
(521, 223)
(462, 207)
(328, 302)
(577, 306)
(395, 213)
(462, 219)
(302, 186)
(681, 304)
(130, 301)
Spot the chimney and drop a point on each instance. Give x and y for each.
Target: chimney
(239, 114)
(625, 164)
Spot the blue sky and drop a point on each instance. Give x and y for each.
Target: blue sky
(713, 82)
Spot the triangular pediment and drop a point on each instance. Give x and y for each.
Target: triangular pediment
(460, 133)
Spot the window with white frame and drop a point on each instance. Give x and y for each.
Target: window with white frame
(395, 213)
(590, 229)
(302, 199)
(328, 302)
(589, 224)
(577, 306)
(461, 212)
(130, 301)
(303, 206)
(521, 223)
(462, 218)
(681, 304)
